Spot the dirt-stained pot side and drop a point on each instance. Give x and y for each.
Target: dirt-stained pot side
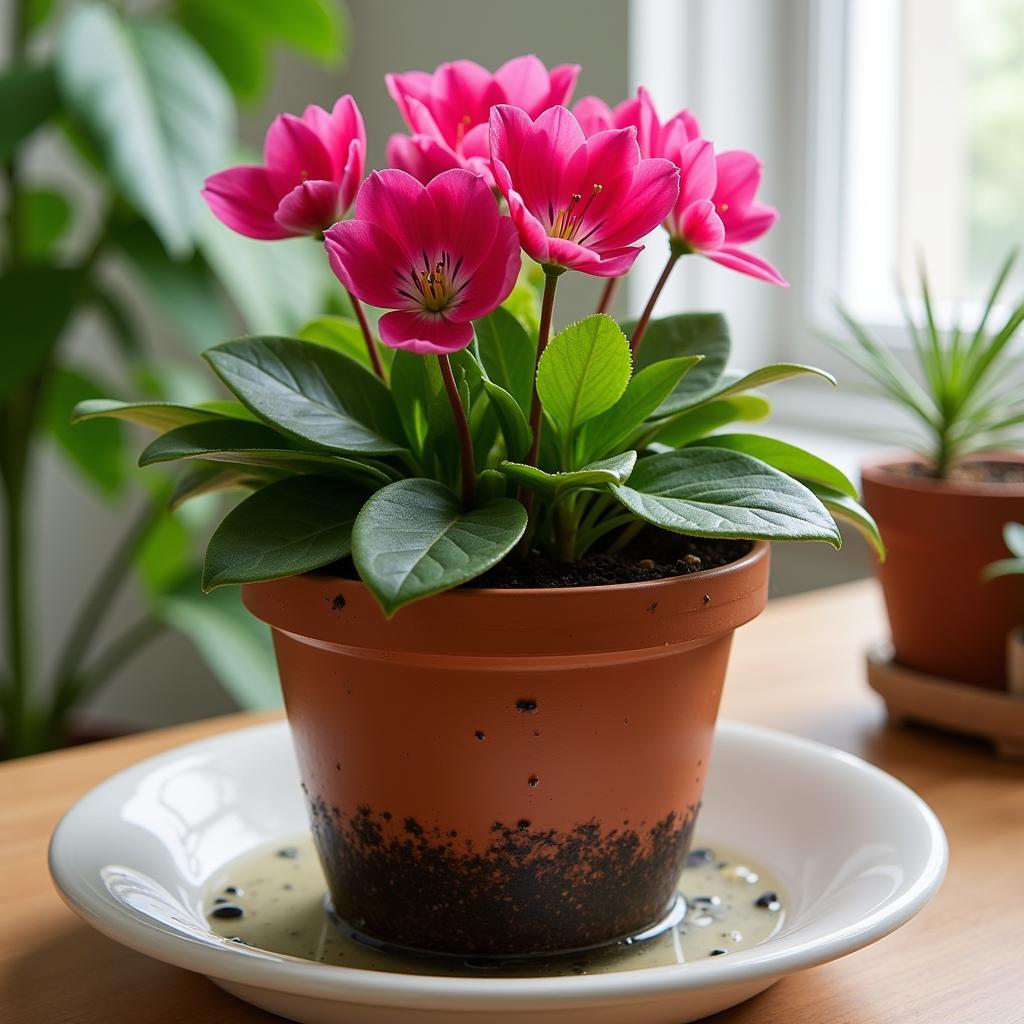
(946, 620)
(506, 772)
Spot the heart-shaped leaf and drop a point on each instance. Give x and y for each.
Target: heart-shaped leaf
(285, 528)
(243, 443)
(583, 371)
(312, 393)
(414, 539)
(787, 458)
(686, 334)
(553, 486)
(712, 492)
(155, 103)
(648, 389)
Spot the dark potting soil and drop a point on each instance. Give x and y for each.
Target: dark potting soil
(973, 471)
(653, 555)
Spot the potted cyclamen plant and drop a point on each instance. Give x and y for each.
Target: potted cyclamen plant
(941, 506)
(502, 562)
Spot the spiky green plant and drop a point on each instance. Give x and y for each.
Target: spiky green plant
(965, 389)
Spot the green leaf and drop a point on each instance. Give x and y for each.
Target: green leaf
(583, 371)
(37, 303)
(244, 443)
(1013, 535)
(843, 506)
(690, 424)
(414, 539)
(711, 492)
(312, 393)
(163, 559)
(239, 51)
(507, 354)
(156, 104)
(201, 478)
(37, 12)
(646, 392)
(737, 384)
(185, 291)
(28, 98)
(286, 528)
(415, 384)
(43, 216)
(1004, 567)
(514, 427)
(344, 336)
(275, 288)
(235, 644)
(787, 458)
(687, 334)
(158, 416)
(553, 486)
(96, 449)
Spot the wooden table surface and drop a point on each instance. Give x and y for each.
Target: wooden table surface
(798, 668)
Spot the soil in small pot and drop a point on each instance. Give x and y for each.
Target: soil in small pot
(653, 555)
(975, 471)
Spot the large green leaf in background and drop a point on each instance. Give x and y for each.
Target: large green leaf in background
(414, 538)
(43, 216)
(36, 303)
(507, 354)
(95, 449)
(28, 97)
(712, 492)
(232, 642)
(277, 287)
(238, 34)
(158, 107)
(289, 527)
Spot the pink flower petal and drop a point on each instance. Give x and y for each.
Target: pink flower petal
(491, 281)
(700, 226)
(368, 262)
(398, 204)
(351, 175)
(594, 115)
(532, 235)
(650, 198)
(745, 262)
(467, 211)
(425, 333)
(293, 153)
(241, 198)
(697, 175)
(563, 82)
(524, 82)
(552, 162)
(420, 155)
(416, 84)
(739, 175)
(463, 93)
(749, 224)
(309, 208)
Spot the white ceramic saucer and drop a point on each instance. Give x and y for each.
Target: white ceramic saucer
(858, 852)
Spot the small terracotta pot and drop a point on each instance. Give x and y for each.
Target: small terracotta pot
(946, 620)
(506, 772)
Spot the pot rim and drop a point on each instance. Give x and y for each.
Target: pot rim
(877, 470)
(757, 552)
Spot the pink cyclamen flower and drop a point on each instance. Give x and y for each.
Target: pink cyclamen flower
(438, 255)
(312, 167)
(447, 111)
(716, 211)
(578, 203)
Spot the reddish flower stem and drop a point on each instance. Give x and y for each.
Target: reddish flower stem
(608, 295)
(371, 342)
(543, 334)
(462, 428)
(645, 317)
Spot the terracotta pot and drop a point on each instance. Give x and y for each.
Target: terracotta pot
(506, 772)
(945, 619)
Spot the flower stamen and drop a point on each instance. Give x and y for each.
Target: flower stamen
(569, 219)
(436, 286)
